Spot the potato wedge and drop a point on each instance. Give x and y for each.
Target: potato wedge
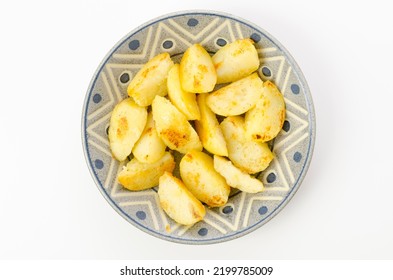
(150, 80)
(250, 156)
(178, 202)
(237, 97)
(265, 120)
(235, 177)
(125, 127)
(235, 60)
(204, 182)
(137, 176)
(183, 100)
(197, 72)
(173, 128)
(209, 130)
(150, 147)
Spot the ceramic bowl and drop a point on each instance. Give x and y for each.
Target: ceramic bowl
(174, 33)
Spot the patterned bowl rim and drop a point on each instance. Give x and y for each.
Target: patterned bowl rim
(312, 128)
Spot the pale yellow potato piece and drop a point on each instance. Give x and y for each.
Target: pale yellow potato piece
(173, 128)
(150, 147)
(265, 120)
(204, 182)
(209, 130)
(125, 127)
(235, 60)
(237, 97)
(178, 202)
(235, 177)
(183, 100)
(151, 80)
(197, 72)
(137, 176)
(250, 156)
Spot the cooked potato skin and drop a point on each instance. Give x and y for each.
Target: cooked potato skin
(137, 176)
(198, 174)
(178, 202)
(265, 120)
(173, 128)
(235, 177)
(197, 72)
(150, 147)
(184, 101)
(151, 80)
(250, 156)
(237, 97)
(235, 60)
(209, 130)
(125, 127)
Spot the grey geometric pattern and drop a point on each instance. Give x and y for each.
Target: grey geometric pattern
(292, 147)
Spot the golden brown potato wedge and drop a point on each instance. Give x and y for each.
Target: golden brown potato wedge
(126, 125)
(235, 177)
(137, 176)
(178, 202)
(197, 72)
(150, 80)
(209, 130)
(235, 60)
(173, 128)
(204, 182)
(183, 100)
(150, 147)
(250, 156)
(237, 97)
(265, 120)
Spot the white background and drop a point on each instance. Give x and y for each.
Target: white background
(50, 207)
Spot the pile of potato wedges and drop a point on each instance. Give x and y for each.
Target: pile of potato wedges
(215, 110)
